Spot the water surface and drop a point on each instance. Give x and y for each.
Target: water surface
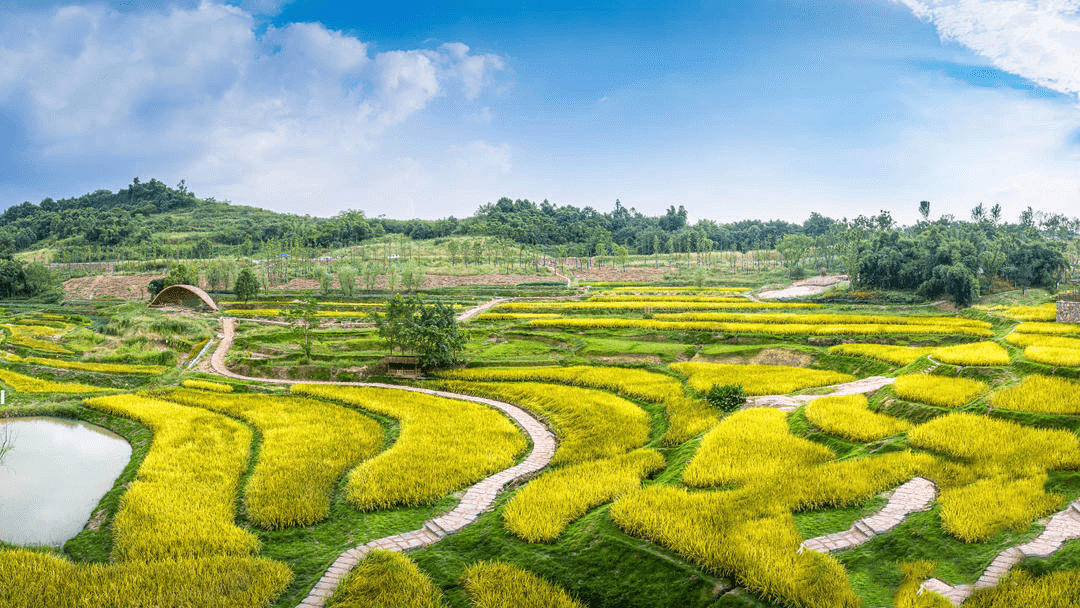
(54, 475)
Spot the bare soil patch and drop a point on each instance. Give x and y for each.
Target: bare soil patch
(806, 287)
(105, 286)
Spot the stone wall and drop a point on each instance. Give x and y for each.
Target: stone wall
(1068, 311)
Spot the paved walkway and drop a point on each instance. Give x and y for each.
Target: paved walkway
(789, 403)
(912, 497)
(1063, 526)
(477, 499)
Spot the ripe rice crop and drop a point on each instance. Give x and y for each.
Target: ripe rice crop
(1042, 312)
(1040, 394)
(757, 379)
(1054, 590)
(1048, 328)
(307, 445)
(590, 424)
(182, 502)
(938, 390)
(207, 385)
(897, 355)
(25, 384)
(1053, 355)
(24, 335)
(995, 447)
(684, 289)
(853, 329)
(849, 417)
(975, 512)
(975, 354)
(713, 299)
(90, 366)
(620, 305)
(911, 594)
(514, 316)
(762, 432)
(386, 579)
(34, 579)
(823, 319)
(443, 445)
(502, 585)
(686, 417)
(1021, 339)
(541, 510)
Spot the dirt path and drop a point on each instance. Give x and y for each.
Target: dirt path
(914, 496)
(478, 498)
(788, 403)
(806, 287)
(472, 312)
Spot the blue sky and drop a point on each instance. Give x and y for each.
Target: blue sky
(762, 108)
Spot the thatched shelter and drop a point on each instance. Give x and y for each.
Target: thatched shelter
(184, 295)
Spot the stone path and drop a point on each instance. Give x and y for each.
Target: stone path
(912, 497)
(472, 312)
(477, 499)
(789, 403)
(1063, 526)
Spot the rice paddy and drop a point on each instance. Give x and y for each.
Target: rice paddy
(757, 379)
(938, 390)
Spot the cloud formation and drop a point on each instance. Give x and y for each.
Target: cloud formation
(1036, 39)
(195, 92)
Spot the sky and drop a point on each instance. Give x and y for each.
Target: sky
(737, 109)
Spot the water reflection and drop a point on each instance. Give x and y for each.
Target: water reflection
(53, 476)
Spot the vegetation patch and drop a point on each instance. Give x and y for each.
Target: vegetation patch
(386, 579)
(757, 379)
(938, 390)
(849, 417)
(503, 585)
(1042, 394)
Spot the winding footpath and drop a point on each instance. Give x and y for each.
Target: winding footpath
(477, 499)
(789, 403)
(912, 497)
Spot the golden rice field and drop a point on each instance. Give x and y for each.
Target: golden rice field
(808, 329)
(686, 417)
(1042, 394)
(541, 510)
(1021, 339)
(975, 512)
(90, 366)
(1042, 312)
(1035, 327)
(974, 354)
(444, 444)
(182, 503)
(208, 385)
(503, 585)
(713, 299)
(1055, 590)
(515, 316)
(938, 390)
(22, 383)
(35, 579)
(811, 318)
(26, 336)
(307, 445)
(757, 379)
(1053, 355)
(590, 424)
(386, 579)
(636, 289)
(622, 305)
(849, 417)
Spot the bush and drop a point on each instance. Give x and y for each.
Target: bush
(726, 397)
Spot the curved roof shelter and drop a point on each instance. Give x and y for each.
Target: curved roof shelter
(184, 295)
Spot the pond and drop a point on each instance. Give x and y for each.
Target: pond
(52, 477)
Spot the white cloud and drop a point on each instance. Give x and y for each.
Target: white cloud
(299, 118)
(1036, 39)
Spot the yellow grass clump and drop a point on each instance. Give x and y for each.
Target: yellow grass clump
(757, 379)
(502, 585)
(973, 513)
(307, 445)
(182, 503)
(90, 366)
(444, 444)
(849, 417)
(1053, 355)
(1036, 327)
(26, 335)
(208, 385)
(590, 424)
(547, 505)
(911, 595)
(32, 579)
(810, 329)
(1041, 394)
(938, 390)
(686, 417)
(386, 579)
(1055, 590)
(21, 383)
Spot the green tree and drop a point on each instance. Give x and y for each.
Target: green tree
(304, 319)
(793, 248)
(395, 322)
(326, 281)
(247, 286)
(408, 324)
(346, 276)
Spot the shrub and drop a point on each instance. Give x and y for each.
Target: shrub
(726, 397)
